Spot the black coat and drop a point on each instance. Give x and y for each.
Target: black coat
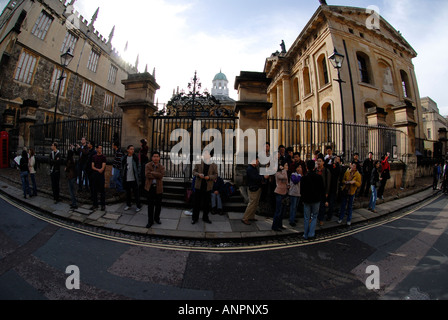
(254, 180)
(375, 177)
(55, 162)
(312, 188)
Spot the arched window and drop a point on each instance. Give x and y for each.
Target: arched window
(405, 84)
(306, 81)
(326, 128)
(323, 70)
(296, 90)
(364, 67)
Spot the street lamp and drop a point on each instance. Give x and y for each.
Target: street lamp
(337, 61)
(66, 58)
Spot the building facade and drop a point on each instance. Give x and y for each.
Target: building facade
(33, 36)
(433, 122)
(378, 73)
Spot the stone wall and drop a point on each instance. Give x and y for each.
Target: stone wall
(39, 90)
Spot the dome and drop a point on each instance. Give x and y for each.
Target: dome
(220, 76)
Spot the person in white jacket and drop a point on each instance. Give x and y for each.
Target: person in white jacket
(32, 168)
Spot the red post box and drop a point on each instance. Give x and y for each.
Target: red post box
(4, 150)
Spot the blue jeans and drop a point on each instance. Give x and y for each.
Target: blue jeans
(25, 183)
(311, 211)
(277, 223)
(216, 201)
(345, 200)
(293, 208)
(33, 181)
(372, 203)
(116, 181)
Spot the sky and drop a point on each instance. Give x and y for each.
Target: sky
(179, 37)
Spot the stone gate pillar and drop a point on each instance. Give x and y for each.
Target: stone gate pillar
(405, 122)
(27, 119)
(252, 109)
(376, 117)
(138, 105)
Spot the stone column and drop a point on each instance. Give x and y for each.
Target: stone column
(280, 110)
(375, 117)
(252, 109)
(405, 122)
(27, 119)
(287, 105)
(137, 106)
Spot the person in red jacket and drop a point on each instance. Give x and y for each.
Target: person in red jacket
(385, 175)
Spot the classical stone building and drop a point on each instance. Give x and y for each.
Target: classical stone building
(380, 86)
(433, 124)
(33, 36)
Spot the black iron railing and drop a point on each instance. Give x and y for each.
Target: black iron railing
(308, 136)
(69, 133)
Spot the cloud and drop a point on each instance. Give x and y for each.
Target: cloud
(423, 25)
(181, 37)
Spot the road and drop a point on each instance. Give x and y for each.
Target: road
(409, 253)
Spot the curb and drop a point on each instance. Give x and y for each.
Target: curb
(365, 216)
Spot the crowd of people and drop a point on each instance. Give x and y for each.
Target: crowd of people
(319, 184)
(323, 185)
(85, 168)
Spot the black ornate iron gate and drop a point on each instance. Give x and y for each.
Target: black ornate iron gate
(189, 112)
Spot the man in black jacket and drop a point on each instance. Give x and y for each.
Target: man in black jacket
(254, 182)
(312, 190)
(55, 170)
(82, 151)
(367, 168)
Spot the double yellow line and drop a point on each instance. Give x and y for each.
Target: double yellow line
(217, 249)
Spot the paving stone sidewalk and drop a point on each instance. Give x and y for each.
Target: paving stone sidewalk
(177, 222)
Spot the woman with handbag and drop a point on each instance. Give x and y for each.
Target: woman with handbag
(375, 182)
